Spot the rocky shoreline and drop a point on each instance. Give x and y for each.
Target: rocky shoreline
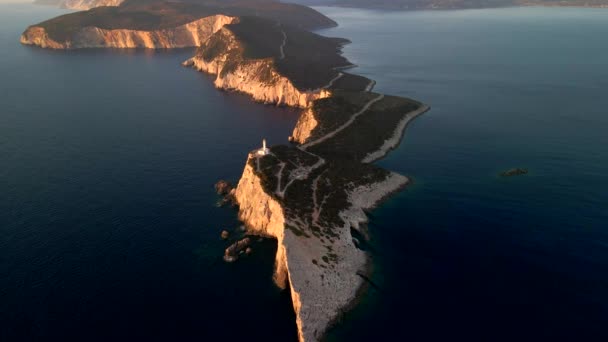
(395, 140)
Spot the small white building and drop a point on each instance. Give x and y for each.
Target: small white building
(264, 150)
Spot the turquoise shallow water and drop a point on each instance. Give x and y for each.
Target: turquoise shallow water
(463, 253)
(108, 225)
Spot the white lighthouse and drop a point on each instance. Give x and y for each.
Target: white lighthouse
(264, 150)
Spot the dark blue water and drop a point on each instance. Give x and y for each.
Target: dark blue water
(108, 224)
(464, 254)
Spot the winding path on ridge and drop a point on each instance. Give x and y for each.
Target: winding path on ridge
(333, 80)
(302, 172)
(282, 47)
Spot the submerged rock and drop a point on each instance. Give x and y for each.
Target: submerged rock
(229, 199)
(222, 187)
(231, 254)
(514, 172)
(225, 189)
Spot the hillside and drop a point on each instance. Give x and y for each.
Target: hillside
(307, 59)
(145, 15)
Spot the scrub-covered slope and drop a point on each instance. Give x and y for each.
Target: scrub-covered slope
(103, 26)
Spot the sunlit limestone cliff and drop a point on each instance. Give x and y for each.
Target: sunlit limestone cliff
(224, 56)
(306, 124)
(188, 35)
(273, 63)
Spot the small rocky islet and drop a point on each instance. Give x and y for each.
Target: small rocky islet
(514, 172)
(310, 195)
(232, 253)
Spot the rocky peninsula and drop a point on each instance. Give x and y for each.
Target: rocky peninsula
(311, 195)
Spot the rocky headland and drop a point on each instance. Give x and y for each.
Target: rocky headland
(311, 195)
(514, 172)
(188, 35)
(274, 63)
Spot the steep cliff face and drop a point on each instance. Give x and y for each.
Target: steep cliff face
(223, 56)
(264, 216)
(320, 290)
(35, 35)
(189, 35)
(304, 127)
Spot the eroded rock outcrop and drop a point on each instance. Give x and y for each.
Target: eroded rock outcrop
(222, 187)
(191, 34)
(231, 254)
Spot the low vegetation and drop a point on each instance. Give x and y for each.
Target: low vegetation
(148, 15)
(370, 130)
(351, 82)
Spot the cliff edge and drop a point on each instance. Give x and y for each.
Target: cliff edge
(191, 34)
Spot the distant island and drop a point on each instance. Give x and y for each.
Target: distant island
(311, 194)
(449, 4)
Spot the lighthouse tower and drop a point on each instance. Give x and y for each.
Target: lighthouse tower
(264, 150)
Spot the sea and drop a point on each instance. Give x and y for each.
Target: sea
(109, 224)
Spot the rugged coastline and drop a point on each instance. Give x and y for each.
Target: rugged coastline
(313, 195)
